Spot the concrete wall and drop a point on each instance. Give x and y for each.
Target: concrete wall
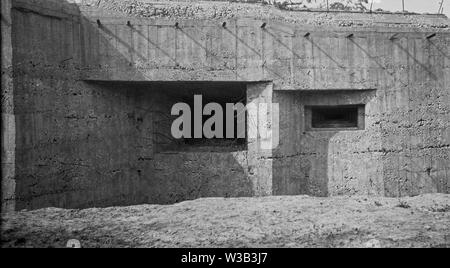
(8, 120)
(82, 143)
(324, 163)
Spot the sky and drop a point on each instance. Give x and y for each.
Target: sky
(419, 6)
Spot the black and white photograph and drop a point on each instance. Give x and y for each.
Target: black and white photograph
(225, 131)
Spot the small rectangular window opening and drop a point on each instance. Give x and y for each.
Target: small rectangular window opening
(232, 98)
(344, 117)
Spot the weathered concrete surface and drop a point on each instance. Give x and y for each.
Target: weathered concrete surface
(8, 120)
(81, 143)
(297, 221)
(260, 147)
(324, 163)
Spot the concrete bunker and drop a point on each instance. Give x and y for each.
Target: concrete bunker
(88, 87)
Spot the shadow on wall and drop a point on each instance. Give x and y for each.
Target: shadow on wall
(170, 170)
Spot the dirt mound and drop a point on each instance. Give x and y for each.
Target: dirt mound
(287, 221)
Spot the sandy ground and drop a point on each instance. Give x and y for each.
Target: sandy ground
(288, 221)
